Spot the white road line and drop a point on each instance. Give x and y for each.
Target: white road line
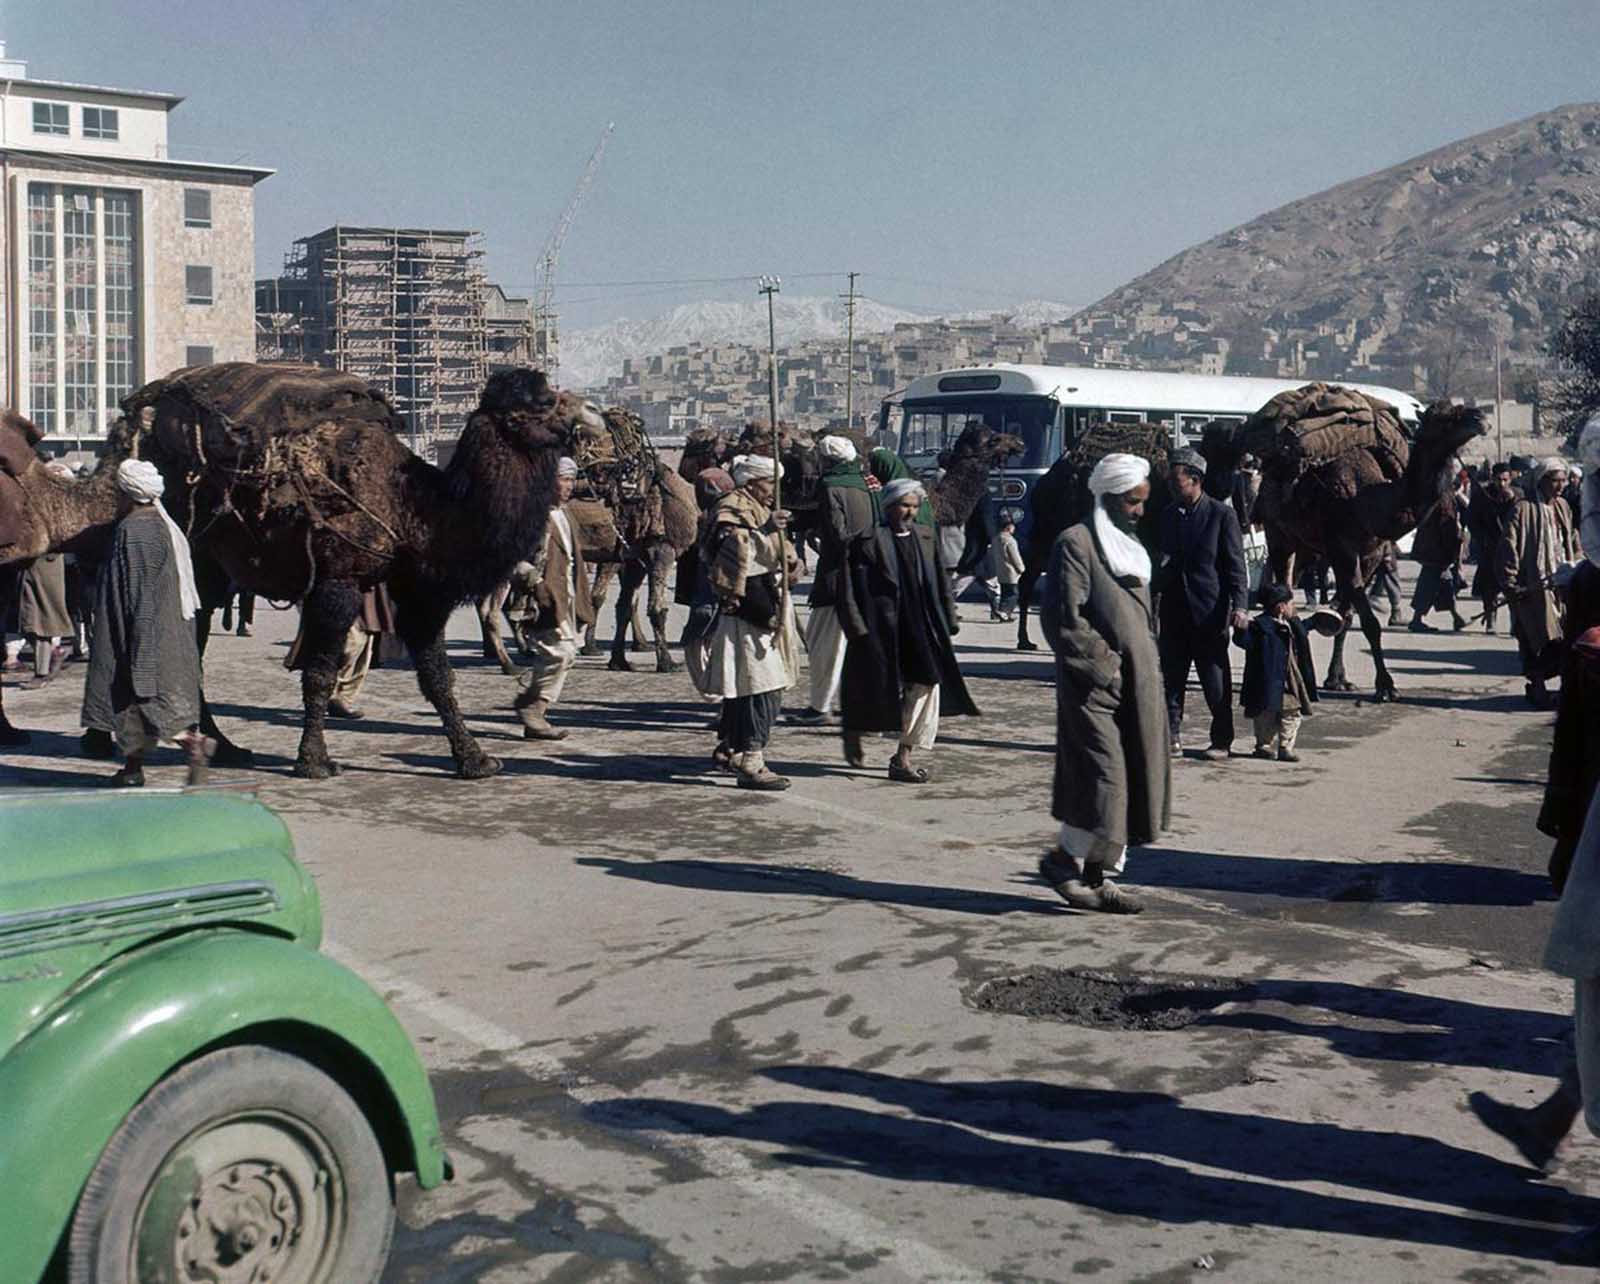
(793, 1198)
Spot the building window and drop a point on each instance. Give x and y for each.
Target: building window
(196, 207)
(197, 284)
(199, 355)
(82, 340)
(100, 122)
(51, 118)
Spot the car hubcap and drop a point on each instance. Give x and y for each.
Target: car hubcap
(252, 1199)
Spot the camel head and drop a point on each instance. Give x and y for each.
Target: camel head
(534, 416)
(1222, 444)
(979, 441)
(1447, 428)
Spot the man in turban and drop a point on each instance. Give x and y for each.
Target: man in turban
(849, 509)
(1540, 537)
(748, 659)
(1113, 769)
(897, 611)
(144, 667)
(1203, 588)
(555, 585)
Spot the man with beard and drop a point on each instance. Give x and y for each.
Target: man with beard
(1540, 537)
(1113, 770)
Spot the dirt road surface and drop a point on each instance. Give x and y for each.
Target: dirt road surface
(682, 1031)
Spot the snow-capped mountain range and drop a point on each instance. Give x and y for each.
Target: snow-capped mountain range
(590, 357)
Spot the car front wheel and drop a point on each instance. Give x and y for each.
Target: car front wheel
(245, 1165)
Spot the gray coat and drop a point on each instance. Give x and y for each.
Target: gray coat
(847, 512)
(42, 612)
(1113, 769)
(144, 668)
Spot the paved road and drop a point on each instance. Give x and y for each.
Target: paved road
(680, 1031)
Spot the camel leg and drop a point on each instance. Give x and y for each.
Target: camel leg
(633, 573)
(489, 607)
(1374, 631)
(661, 562)
(602, 586)
(420, 623)
(326, 616)
(228, 754)
(1025, 583)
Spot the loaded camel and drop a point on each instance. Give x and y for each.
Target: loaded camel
(640, 516)
(42, 513)
(293, 482)
(1338, 481)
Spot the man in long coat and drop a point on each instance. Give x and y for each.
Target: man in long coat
(1113, 768)
(849, 509)
(1540, 537)
(1488, 515)
(144, 667)
(896, 609)
(748, 659)
(556, 582)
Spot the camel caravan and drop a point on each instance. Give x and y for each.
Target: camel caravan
(295, 483)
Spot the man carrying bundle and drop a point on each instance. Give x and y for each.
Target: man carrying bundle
(1540, 538)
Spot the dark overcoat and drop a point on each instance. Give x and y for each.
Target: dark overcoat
(1266, 665)
(1202, 575)
(848, 512)
(1113, 774)
(869, 614)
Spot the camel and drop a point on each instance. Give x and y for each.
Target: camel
(293, 482)
(42, 513)
(1345, 507)
(639, 516)
(1061, 499)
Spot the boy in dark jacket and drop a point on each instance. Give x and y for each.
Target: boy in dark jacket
(1280, 684)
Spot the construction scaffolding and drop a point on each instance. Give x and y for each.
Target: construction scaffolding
(402, 308)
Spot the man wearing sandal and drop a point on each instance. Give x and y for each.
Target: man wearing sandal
(895, 607)
(1113, 769)
(144, 668)
(749, 658)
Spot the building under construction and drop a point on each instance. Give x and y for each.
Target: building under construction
(402, 308)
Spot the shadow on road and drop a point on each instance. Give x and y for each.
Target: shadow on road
(939, 1145)
(793, 880)
(1392, 881)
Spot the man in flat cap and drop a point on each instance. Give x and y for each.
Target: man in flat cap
(1203, 588)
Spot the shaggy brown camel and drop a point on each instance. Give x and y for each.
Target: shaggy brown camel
(43, 513)
(293, 482)
(638, 515)
(1345, 508)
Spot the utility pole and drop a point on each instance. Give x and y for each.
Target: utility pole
(850, 353)
(769, 285)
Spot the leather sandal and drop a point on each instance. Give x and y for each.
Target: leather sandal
(766, 779)
(722, 758)
(907, 775)
(128, 778)
(854, 753)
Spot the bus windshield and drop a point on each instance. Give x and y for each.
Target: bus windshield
(927, 427)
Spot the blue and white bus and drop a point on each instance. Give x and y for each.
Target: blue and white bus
(1050, 406)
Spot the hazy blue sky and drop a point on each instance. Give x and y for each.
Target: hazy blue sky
(957, 154)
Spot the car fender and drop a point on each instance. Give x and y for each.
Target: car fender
(67, 1086)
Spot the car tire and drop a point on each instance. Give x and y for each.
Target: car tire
(245, 1163)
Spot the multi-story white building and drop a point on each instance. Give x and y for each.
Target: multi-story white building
(121, 262)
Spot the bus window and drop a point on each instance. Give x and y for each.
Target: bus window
(1125, 417)
(924, 433)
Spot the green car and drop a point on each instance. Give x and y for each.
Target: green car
(189, 1090)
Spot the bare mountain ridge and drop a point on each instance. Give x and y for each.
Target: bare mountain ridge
(1383, 273)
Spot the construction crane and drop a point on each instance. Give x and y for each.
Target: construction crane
(546, 343)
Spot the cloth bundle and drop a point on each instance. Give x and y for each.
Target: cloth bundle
(1299, 429)
(1147, 441)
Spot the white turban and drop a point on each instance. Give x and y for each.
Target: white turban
(140, 479)
(840, 448)
(751, 468)
(1118, 474)
(900, 487)
(1553, 464)
(567, 467)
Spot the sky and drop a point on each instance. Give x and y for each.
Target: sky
(959, 154)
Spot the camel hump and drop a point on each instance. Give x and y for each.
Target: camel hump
(18, 437)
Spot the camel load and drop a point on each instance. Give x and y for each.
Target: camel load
(1300, 429)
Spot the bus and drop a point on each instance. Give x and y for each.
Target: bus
(1049, 407)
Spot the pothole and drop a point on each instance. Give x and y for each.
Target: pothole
(1108, 1000)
